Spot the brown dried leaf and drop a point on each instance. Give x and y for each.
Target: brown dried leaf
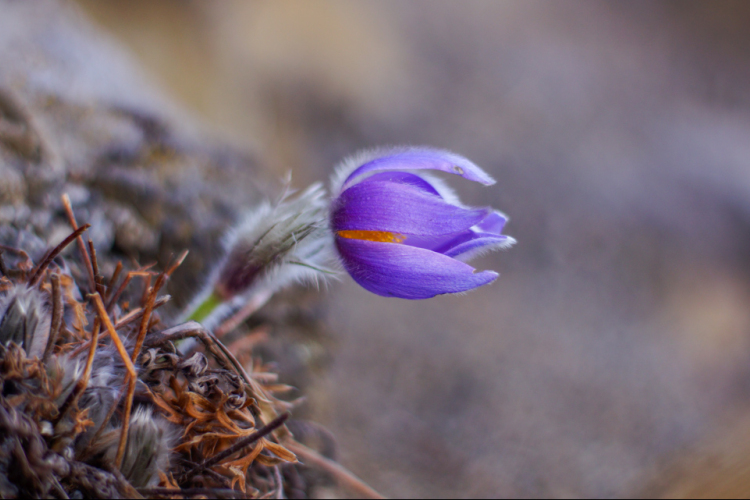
(280, 451)
(245, 462)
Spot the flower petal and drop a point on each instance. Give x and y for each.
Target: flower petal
(405, 178)
(420, 159)
(463, 246)
(400, 208)
(406, 272)
(482, 238)
(494, 223)
(477, 244)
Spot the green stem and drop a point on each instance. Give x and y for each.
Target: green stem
(205, 308)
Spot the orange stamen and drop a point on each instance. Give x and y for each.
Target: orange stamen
(380, 236)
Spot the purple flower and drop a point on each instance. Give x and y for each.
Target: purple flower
(400, 232)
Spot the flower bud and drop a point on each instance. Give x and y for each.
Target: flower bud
(273, 246)
(400, 232)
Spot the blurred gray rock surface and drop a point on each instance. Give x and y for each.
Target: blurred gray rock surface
(77, 116)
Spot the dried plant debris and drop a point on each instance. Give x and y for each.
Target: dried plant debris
(97, 401)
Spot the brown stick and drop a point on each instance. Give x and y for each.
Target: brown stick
(83, 382)
(239, 445)
(138, 313)
(345, 478)
(95, 269)
(39, 270)
(113, 279)
(125, 422)
(113, 333)
(94, 263)
(125, 282)
(146, 290)
(149, 305)
(132, 375)
(57, 314)
(81, 246)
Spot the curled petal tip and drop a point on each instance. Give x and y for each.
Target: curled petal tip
(408, 159)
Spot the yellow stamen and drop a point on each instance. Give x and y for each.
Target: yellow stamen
(381, 236)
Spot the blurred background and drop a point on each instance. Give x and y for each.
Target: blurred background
(612, 357)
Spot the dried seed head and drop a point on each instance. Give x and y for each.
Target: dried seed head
(63, 372)
(25, 319)
(150, 440)
(106, 381)
(104, 384)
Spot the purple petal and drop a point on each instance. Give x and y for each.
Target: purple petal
(478, 243)
(400, 208)
(494, 223)
(405, 178)
(489, 228)
(483, 237)
(394, 270)
(421, 159)
(464, 245)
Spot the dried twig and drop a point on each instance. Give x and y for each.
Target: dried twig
(147, 289)
(132, 375)
(81, 246)
(57, 313)
(125, 421)
(345, 478)
(95, 269)
(239, 445)
(149, 305)
(36, 273)
(113, 333)
(138, 313)
(208, 472)
(113, 280)
(83, 382)
(125, 282)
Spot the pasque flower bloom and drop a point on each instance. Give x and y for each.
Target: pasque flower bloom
(401, 232)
